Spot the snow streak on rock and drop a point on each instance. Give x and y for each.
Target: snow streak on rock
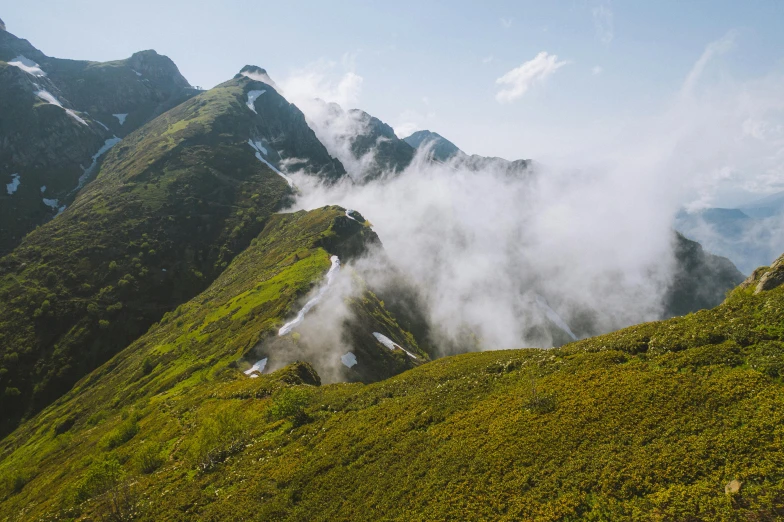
(288, 327)
(49, 98)
(389, 343)
(252, 95)
(553, 316)
(108, 144)
(257, 368)
(27, 65)
(348, 359)
(260, 152)
(15, 181)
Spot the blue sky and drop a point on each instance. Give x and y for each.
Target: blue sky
(608, 65)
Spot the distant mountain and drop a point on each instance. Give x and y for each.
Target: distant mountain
(58, 117)
(747, 241)
(442, 148)
(701, 280)
(768, 206)
(170, 207)
(365, 145)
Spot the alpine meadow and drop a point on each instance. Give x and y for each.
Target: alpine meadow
(513, 261)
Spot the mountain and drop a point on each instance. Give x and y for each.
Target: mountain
(701, 280)
(58, 117)
(365, 145)
(747, 241)
(442, 148)
(171, 206)
(172, 428)
(768, 206)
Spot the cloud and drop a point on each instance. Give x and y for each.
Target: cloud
(521, 78)
(712, 50)
(592, 236)
(320, 80)
(596, 70)
(603, 22)
(488, 59)
(506, 23)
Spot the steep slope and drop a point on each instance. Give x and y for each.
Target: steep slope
(210, 339)
(701, 280)
(390, 153)
(366, 146)
(674, 420)
(747, 241)
(57, 117)
(171, 206)
(442, 148)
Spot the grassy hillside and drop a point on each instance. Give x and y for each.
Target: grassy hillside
(51, 147)
(196, 351)
(673, 420)
(171, 206)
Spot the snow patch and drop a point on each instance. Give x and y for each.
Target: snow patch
(258, 148)
(101, 124)
(389, 343)
(108, 144)
(553, 316)
(49, 98)
(288, 327)
(51, 203)
(252, 95)
(43, 189)
(137, 72)
(15, 182)
(27, 65)
(348, 214)
(257, 368)
(348, 359)
(121, 117)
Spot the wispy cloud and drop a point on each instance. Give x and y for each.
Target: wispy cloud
(320, 79)
(603, 22)
(520, 79)
(488, 59)
(596, 70)
(506, 23)
(713, 49)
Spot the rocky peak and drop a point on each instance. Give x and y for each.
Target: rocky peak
(149, 64)
(766, 278)
(2, 25)
(254, 72)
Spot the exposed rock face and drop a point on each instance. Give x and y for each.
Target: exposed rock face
(56, 115)
(2, 25)
(701, 279)
(443, 149)
(766, 278)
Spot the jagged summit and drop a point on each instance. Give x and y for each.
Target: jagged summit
(2, 25)
(443, 149)
(254, 72)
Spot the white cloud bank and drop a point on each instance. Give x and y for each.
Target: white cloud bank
(517, 81)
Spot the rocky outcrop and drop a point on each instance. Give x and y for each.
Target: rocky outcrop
(766, 278)
(701, 279)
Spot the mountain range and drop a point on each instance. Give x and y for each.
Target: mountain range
(178, 343)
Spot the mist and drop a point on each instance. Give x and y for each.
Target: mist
(588, 236)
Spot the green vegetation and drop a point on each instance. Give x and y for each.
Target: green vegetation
(166, 214)
(674, 420)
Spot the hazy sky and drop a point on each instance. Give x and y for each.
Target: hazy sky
(516, 79)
